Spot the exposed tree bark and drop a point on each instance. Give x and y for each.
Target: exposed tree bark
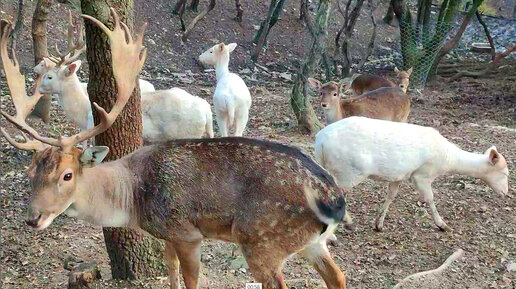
(492, 65)
(132, 254)
(303, 110)
(178, 5)
(488, 35)
(39, 29)
(303, 8)
(192, 24)
(421, 277)
(194, 6)
(389, 15)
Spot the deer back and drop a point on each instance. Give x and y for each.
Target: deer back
(216, 185)
(387, 103)
(365, 83)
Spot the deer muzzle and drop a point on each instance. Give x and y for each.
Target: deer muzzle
(40, 221)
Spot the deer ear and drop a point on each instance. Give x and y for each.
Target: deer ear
(93, 156)
(231, 47)
(314, 84)
(409, 71)
(396, 69)
(494, 156)
(221, 46)
(72, 68)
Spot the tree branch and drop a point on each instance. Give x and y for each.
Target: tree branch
(488, 35)
(422, 275)
(192, 24)
(492, 65)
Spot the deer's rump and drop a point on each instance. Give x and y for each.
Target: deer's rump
(387, 103)
(223, 188)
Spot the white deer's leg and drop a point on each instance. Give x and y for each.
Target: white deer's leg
(241, 121)
(392, 191)
(425, 190)
(222, 122)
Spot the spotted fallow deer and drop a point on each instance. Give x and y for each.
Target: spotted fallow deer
(387, 103)
(270, 199)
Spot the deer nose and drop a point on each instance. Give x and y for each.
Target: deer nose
(33, 222)
(324, 105)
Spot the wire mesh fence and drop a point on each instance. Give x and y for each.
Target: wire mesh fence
(419, 45)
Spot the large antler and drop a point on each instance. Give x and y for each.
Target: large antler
(76, 45)
(16, 82)
(128, 57)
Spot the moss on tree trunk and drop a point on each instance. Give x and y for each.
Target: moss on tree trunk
(303, 110)
(132, 254)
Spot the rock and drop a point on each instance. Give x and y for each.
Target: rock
(245, 71)
(205, 91)
(286, 76)
(186, 80)
(19, 138)
(209, 70)
(256, 27)
(82, 274)
(150, 41)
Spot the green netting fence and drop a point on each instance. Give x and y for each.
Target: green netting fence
(419, 46)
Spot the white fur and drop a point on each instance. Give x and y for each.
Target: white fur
(174, 114)
(356, 148)
(231, 99)
(167, 114)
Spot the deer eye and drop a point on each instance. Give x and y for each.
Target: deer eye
(67, 177)
(49, 77)
(335, 94)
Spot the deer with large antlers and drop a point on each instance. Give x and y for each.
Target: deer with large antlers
(271, 199)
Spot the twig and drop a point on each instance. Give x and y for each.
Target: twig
(493, 64)
(458, 254)
(192, 24)
(488, 35)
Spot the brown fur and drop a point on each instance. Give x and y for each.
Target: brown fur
(388, 103)
(365, 83)
(246, 191)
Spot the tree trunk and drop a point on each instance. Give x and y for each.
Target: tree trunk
(39, 29)
(303, 110)
(389, 15)
(132, 254)
(262, 33)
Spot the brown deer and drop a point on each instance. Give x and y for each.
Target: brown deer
(365, 83)
(388, 103)
(270, 199)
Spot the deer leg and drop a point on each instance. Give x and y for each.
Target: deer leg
(173, 265)
(265, 265)
(392, 191)
(241, 121)
(222, 122)
(189, 255)
(319, 257)
(424, 187)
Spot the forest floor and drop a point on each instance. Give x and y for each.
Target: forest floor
(473, 113)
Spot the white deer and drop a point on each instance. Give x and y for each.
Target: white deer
(231, 99)
(357, 148)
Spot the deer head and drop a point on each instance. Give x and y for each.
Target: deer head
(217, 53)
(403, 78)
(328, 92)
(57, 162)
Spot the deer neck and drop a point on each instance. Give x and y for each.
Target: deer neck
(75, 102)
(222, 67)
(104, 195)
(466, 163)
(334, 112)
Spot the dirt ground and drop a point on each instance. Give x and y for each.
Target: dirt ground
(473, 113)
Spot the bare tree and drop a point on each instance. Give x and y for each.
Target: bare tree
(132, 254)
(350, 17)
(303, 110)
(260, 38)
(39, 29)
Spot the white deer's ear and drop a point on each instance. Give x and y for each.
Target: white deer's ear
(73, 67)
(494, 156)
(396, 69)
(231, 47)
(93, 156)
(221, 46)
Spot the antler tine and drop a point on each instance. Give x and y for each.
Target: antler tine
(127, 57)
(16, 82)
(76, 46)
(28, 145)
